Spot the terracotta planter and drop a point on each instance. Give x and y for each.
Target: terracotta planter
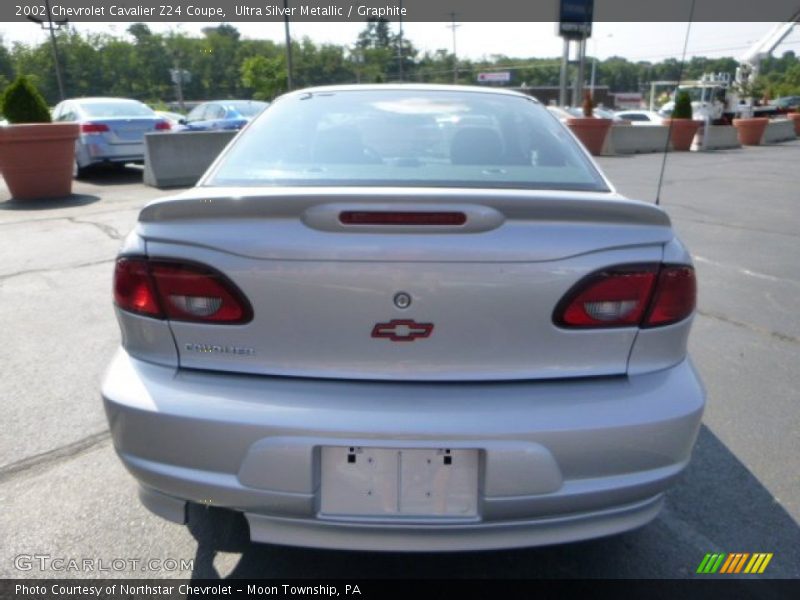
(750, 131)
(37, 159)
(795, 116)
(682, 132)
(591, 132)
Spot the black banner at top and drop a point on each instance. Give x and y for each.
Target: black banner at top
(407, 10)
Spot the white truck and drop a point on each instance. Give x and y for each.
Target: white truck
(715, 98)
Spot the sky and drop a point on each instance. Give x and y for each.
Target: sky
(635, 41)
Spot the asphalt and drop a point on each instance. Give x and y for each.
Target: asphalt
(64, 494)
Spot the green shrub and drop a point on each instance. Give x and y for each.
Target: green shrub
(22, 103)
(683, 106)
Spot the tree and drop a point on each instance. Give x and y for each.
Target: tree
(265, 76)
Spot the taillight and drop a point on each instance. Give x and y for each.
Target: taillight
(674, 298)
(178, 291)
(133, 287)
(163, 126)
(630, 296)
(93, 127)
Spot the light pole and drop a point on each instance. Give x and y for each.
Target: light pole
(288, 46)
(453, 27)
(400, 46)
(594, 60)
(52, 26)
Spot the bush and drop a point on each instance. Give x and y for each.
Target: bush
(588, 105)
(22, 103)
(683, 106)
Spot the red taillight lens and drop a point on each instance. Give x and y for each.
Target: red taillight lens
(163, 126)
(93, 127)
(178, 291)
(631, 296)
(133, 287)
(675, 296)
(615, 298)
(372, 217)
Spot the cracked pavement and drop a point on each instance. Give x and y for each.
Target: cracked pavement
(64, 493)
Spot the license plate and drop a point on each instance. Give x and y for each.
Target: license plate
(371, 482)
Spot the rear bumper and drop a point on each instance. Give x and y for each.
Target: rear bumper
(94, 151)
(560, 461)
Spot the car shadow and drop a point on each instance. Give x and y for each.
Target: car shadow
(113, 175)
(73, 200)
(718, 506)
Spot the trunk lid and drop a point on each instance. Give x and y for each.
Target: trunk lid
(482, 293)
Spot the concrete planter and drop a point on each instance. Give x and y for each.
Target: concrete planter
(682, 132)
(591, 132)
(717, 137)
(751, 130)
(779, 130)
(37, 159)
(626, 139)
(795, 118)
(180, 159)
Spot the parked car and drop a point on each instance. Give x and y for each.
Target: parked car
(223, 114)
(640, 117)
(786, 102)
(175, 119)
(112, 130)
(397, 317)
(562, 113)
(566, 112)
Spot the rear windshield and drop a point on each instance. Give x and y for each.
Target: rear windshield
(407, 138)
(247, 109)
(116, 109)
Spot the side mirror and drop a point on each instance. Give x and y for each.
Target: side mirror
(182, 121)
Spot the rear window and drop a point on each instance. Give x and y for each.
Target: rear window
(248, 109)
(407, 138)
(116, 109)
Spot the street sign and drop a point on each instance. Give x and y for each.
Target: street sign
(180, 76)
(495, 77)
(575, 19)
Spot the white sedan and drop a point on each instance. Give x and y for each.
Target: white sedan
(641, 117)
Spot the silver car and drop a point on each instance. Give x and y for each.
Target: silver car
(405, 317)
(112, 130)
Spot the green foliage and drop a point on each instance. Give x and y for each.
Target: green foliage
(683, 106)
(265, 76)
(750, 90)
(137, 65)
(22, 103)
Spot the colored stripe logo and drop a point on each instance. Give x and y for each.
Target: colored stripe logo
(736, 562)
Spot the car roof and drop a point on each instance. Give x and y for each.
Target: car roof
(102, 99)
(421, 87)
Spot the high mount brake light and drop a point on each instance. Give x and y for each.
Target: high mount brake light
(178, 291)
(376, 217)
(649, 295)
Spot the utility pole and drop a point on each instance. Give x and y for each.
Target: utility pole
(453, 26)
(53, 26)
(289, 69)
(562, 83)
(400, 45)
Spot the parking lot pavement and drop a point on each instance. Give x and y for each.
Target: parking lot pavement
(64, 493)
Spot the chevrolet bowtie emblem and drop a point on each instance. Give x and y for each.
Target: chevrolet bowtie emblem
(402, 330)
